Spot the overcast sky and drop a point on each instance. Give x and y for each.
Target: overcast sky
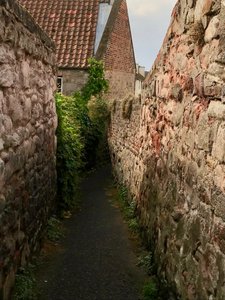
(149, 20)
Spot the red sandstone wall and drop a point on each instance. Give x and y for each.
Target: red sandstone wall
(171, 152)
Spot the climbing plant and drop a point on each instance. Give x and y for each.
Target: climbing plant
(70, 145)
(92, 96)
(82, 122)
(96, 85)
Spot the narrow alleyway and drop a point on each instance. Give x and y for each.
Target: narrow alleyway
(96, 261)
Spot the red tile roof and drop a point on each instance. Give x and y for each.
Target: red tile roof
(72, 26)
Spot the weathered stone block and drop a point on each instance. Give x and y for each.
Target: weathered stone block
(15, 108)
(7, 76)
(191, 3)
(218, 199)
(7, 56)
(174, 112)
(37, 111)
(25, 69)
(216, 110)
(212, 87)
(12, 140)
(191, 173)
(223, 95)
(199, 85)
(216, 68)
(199, 9)
(1, 144)
(218, 150)
(212, 29)
(7, 124)
(219, 179)
(177, 92)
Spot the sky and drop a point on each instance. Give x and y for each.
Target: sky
(149, 20)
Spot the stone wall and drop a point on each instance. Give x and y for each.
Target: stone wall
(27, 138)
(73, 80)
(170, 152)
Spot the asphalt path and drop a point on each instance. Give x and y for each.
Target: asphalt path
(96, 260)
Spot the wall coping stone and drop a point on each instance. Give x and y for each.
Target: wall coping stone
(22, 14)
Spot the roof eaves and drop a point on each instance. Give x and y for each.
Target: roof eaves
(73, 68)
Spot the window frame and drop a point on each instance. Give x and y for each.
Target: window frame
(59, 84)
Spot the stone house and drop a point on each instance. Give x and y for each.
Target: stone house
(88, 28)
(139, 79)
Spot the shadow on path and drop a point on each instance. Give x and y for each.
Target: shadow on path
(96, 261)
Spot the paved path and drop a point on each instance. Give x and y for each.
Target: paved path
(97, 261)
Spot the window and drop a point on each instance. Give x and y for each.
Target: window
(59, 84)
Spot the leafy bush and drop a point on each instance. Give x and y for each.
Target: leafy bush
(82, 127)
(97, 113)
(96, 85)
(69, 150)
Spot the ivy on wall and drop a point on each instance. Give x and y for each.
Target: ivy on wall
(70, 147)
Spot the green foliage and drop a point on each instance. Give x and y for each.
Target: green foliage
(25, 285)
(97, 85)
(128, 208)
(69, 150)
(154, 288)
(122, 194)
(146, 262)
(133, 225)
(82, 127)
(150, 290)
(98, 112)
(54, 229)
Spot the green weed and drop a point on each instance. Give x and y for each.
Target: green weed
(25, 286)
(128, 208)
(133, 225)
(54, 229)
(146, 262)
(154, 288)
(150, 290)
